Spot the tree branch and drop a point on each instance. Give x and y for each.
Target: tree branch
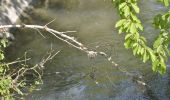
(69, 40)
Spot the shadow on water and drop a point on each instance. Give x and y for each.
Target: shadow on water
(68, 76)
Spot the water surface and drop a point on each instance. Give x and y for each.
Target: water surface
(66, 77)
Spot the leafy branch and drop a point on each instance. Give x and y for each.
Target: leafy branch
(160, 46)
(131, 25)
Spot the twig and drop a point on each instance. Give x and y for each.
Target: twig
(50, 22)
(21, 72)
(40, 33)
(14, 62)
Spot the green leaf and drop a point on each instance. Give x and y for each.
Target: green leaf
(135, 7)
(135, 18)
(127, 24)
(120, 30)
(135, 44)
(135, 50)
(127, 43)
(166, 2)
(167, 51)
(128, 36)
(143, 39)
(138, 25)
(139, 49)
(162, 69)
(120, 23)
(4, 42)
(142, 51)
(122, 5)
(132, 28)
(157, 42)
(126, 11)
(152, 55)
(145, 56)
(155, 65)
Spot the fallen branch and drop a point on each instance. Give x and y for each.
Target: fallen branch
(69, 40)
(63, 37)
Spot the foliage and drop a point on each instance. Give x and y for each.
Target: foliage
(5, 81)
(131, 25)
(13, 80)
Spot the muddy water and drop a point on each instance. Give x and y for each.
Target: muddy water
(68, 75)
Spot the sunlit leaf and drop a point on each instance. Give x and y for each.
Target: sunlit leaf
(120, 23)
(135, 7)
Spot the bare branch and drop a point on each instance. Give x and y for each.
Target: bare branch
(36, 68)
(17, 61)
(69, 40)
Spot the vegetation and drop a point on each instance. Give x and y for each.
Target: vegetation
(13, 80)
(17, 76)
(132, 26)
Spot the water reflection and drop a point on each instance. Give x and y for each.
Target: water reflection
(67, 77)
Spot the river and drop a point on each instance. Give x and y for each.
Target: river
(67, 77)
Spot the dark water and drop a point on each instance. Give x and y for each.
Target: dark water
(66, 77)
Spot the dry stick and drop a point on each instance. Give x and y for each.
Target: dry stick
(63, 37)
(22, 71)
(50, 22)
(40, 33)
(18, 61)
